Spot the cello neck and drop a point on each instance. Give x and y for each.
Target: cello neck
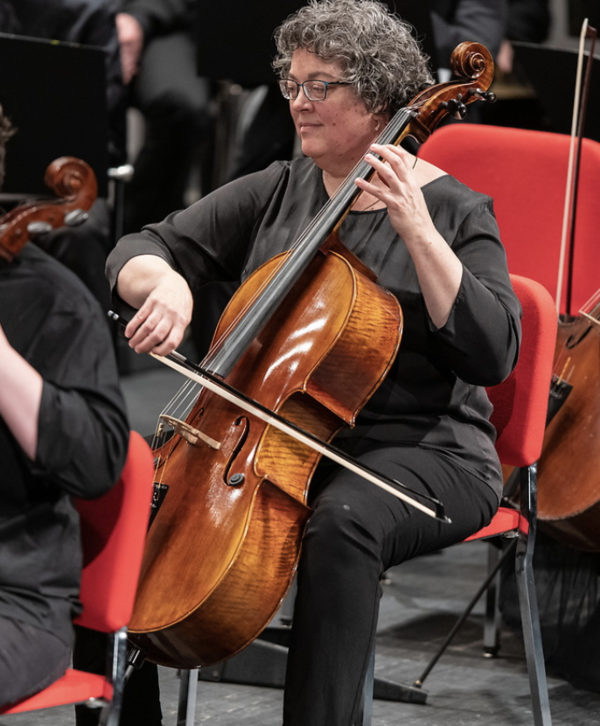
(230, 350)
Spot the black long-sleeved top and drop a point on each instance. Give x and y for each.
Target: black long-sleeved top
(51, 319)
(433, 396)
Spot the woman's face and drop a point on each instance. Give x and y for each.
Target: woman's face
(335, 132)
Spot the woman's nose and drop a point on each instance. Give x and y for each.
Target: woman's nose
(301, 99)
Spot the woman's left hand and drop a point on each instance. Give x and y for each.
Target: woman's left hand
(398, 188)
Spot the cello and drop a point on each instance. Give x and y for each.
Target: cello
(568, 481)
(310, 335)
(569, 484)
(73, 182)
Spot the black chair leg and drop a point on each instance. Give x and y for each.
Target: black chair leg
(491, 628)
(111, 714)
(532, 635)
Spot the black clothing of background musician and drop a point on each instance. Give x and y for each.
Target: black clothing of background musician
(159, 66)
(528, 20)
(455, 21)
(53, 322)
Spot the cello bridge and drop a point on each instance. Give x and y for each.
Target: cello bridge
(189, 433)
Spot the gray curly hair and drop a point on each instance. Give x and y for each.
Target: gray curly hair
(375, 48)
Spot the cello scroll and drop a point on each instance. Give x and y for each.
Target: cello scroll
(74, 182)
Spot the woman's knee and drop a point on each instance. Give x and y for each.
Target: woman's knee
(338, 534)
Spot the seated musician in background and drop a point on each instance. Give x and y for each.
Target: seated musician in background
(63, 433)
(346, 67)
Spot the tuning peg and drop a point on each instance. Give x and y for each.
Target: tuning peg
(34, 229)
(75, 217)
(456, 108)
(483, 95)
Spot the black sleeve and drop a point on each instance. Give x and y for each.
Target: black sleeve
(209, 240)
(482, 336)
(83, 429)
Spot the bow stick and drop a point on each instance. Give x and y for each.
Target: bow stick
(577, 129)
(205, 378)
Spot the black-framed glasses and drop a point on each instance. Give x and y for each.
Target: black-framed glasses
(313, 90)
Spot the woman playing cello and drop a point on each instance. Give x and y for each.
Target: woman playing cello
(346, 66)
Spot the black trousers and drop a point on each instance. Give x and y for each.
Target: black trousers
(356, 533)
(30, 659)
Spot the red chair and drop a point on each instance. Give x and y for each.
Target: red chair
(525, 173)
(520, 408)
(113, 532)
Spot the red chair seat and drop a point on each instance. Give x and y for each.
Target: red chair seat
(505, 520)
(73, 687)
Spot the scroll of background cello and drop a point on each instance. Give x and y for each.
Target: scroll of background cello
(74, 183)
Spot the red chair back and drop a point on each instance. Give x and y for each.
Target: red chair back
(521, 401)
(525, 173)
(113, 530)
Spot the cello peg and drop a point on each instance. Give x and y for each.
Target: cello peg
(34, 229)
(456, 108)
(75, 217)
(487, 96)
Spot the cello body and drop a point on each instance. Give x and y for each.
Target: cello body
(236, 513)
(569, 468)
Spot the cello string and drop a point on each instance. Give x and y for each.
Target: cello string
(183, 401)
(590, 310)
(389, 134)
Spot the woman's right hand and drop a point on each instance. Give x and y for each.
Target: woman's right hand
(164, 300)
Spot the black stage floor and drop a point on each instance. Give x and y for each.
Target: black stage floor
(420, 603)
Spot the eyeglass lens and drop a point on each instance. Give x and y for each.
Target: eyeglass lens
(313, 90)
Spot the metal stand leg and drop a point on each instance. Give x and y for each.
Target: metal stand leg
(491, 638)
(119, 176)
(186, 707)
(483, 587)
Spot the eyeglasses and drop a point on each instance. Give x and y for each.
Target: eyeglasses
(313, 90)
